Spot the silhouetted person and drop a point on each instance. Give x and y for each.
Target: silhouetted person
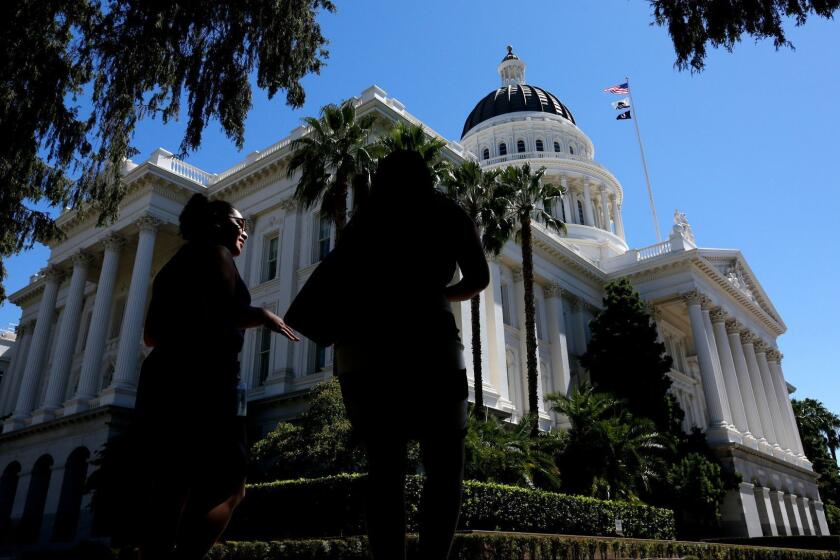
(189, 411)
(399, 353)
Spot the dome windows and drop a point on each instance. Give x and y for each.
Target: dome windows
(485, 154)
(502, 149)
(572, 150)
(540, 147)
(557, 147)
(520, 146)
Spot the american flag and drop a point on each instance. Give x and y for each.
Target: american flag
(621, 89)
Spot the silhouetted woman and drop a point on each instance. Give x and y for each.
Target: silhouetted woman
(399, 353)
(188, 412)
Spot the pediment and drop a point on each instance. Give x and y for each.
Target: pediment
(738, 274)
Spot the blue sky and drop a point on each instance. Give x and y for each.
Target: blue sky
(747, 149)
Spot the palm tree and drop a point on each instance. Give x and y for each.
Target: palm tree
(412, 137)
(475, 191)
(334, 157)
(526, 197)
(609, 453)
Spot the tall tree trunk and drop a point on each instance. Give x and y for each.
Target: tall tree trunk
(478, 381)
(340, 219)
(530, 330)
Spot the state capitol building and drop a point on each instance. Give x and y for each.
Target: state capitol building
(74, 367)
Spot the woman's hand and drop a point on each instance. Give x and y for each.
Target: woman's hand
(277, 325)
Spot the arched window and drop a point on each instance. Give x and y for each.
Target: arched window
(502, 149)
(36, 498)
(571, 150)
(580, 212)
(540, 146)
(485, 154)
(8, 491)
(520, 146)
(70, 500)
(557, 146)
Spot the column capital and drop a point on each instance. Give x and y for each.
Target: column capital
(287, 204)
(733, 326)
(148, 223)
(113, 241)
(518, 275)
(553, 290)
(575, 303)
(718, 315)
(748, 337)
(53, 273)
(761, 347)
(81, 258)
(773, 355)
(693, 297)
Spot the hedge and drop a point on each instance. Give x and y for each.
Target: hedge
(484, 546)
(333, 506)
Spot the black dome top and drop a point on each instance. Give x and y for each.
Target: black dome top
(513, 98)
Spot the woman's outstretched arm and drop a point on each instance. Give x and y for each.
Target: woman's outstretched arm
(245, 316)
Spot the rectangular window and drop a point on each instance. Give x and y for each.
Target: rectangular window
(323, 229)
(262, 354)
(317, 358)
(271, 246)
(506, 304)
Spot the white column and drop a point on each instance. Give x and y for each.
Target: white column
(566, 200)
(66, 337)
(124, 384)
(98, 330)
(589, 214)
(579, 336)
(777, 499)
(819, 515)
(557, 339)
(496, 336)
(38, 349)
(779, 424)
(793, 514)
(774, 358)
(711, 389)
(619, 224)
(765, 511)
(747, 339)
(805, 515)
(730, 377)
(706, 308)
(605, 207)
(17, 365)
(733, 331)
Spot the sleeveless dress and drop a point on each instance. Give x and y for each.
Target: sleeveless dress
(186, 407)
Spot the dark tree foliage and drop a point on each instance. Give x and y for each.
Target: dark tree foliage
(694, 24)
(819, 429)
(625, 358)
(129, 59)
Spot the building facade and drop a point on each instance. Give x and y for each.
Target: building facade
(79, 346)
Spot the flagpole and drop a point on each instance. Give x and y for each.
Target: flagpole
(644, 163)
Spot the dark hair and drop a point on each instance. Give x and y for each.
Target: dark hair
(200, 215)
(402, 174)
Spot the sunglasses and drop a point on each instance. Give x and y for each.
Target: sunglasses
(240, 222)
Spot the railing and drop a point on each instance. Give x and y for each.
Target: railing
(536, 155)
(646, 253)
(166, 160)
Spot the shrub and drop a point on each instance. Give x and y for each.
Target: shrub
(478, 546)
(832, 516)
(333, 506)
